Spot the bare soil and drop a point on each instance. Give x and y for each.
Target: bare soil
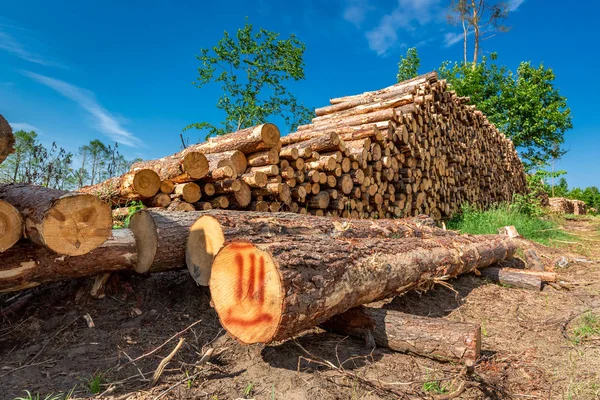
(530, 347)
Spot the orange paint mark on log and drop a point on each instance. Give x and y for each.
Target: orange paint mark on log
(245, 323)
(252, 277)
(239, 261)
(261, 280)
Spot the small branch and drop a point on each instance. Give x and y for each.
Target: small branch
(165, 361)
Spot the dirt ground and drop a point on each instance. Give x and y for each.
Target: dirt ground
(530, 345)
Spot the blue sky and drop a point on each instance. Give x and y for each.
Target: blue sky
(122, 71)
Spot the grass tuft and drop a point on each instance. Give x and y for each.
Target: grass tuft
(434, 387)
(589, 326)
(477, 222)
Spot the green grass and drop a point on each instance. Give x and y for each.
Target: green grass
(37, 396)
(434, 387)
(588, 327)
(94, 383)
(249, 390)
(538, 229)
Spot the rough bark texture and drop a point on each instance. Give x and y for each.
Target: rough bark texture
(437, 338)
(7, 140)
(272, 291)
(11, 225)
(191, 166)
(67, 223)
(26, 265)
(514, 278)
(215, 227)
(138, 184)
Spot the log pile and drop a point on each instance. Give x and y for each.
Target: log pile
(561, 205)
(411, 148)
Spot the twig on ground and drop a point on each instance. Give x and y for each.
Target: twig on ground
(187, 378)
(138, 368)
(159, 347)
(165, 361)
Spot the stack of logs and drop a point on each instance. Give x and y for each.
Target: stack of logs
(411, 148)
(561, 205)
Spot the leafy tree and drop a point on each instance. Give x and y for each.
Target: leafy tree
(409, 64)
(562, 188)
(482, 17)
(525, 104)
(252, 69)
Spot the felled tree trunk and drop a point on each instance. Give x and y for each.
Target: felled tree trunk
(11, 226)
(66, 223)
(272, 291)
(249, 140)
(437, 338)
(7, 140)
(212, 229)
(137, 184)
(514, 278)
(177, 169)
(26, 265)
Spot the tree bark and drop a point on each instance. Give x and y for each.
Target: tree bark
(193, 165)
(26, 265)
(11, 225)
(272, 291)
(249, 140)
(436, 338)
(7, 140)
(514, 278)
(137, 184)
(67, 223)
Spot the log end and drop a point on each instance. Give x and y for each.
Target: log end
(11, 226)
(205, 240)
(270, 134)
(76, 224)
(247, 292)
(195, 164)
(146, 238)
(146, 183)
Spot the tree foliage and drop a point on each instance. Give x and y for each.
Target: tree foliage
(409, 64)
(35, 164)
(252, 69)
(525, 104)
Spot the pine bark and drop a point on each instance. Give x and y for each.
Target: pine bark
(138, 184)
(26, 265)
(436, 338)
(273, 291)
(249, 140)
(7, 139)
(67, 223)
(177, 169)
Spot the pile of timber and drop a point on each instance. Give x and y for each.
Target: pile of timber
(561, 205)
(408, 149)
(411, 148)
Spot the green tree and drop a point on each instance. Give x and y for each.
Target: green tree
(525, 104)
(409, 64)
(253, 69)
(562, 188)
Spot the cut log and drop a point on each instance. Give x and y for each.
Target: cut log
(273, 291)
(167, 187)
(532, 260)
(138, 184)
(26, 265)
(190, 192)
(7, 140)
(509, 231)
(67, 223)
(180, 205)
(234, 158)
(160, 200)
(249, 140)
(11, 225)
(436, 338)
(513, 277)
(176, 168)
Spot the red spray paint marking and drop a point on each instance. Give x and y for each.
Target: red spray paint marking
(239, 261)
(252, 276)
(240, 246)
(248, 322)
(261, 280)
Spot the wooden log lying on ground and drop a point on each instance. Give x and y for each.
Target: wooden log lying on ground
(273, 291)
(212, 229)
(26, 265)
(437, 338)
(513, 277)
(7, 139)
(137, 184)
(177, 169)
(11, 225)
(67, 223)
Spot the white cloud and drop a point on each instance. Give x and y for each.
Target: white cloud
(514, 4)
(408, 15)
(451, 38)
(105, 121)
(23, 126)
(11, 45)
(356, 11)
